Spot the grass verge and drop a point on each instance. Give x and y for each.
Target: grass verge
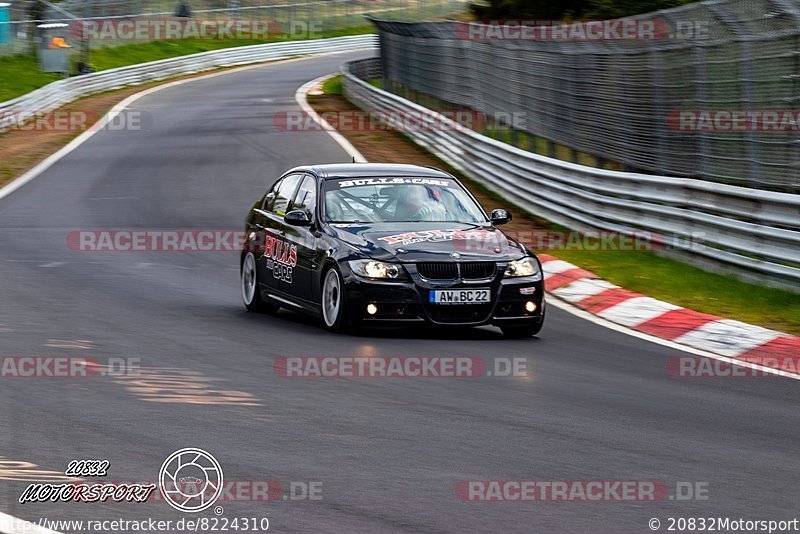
(642, 271)
(20, 74)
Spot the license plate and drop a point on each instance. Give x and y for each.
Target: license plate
(460, 296)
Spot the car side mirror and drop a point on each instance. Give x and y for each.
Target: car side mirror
(297, 218)
(500, 216)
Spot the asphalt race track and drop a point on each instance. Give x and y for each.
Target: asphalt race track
(599, 405)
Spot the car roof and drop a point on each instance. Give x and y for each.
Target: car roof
(352, 170)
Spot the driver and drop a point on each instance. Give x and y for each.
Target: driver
(424, 205)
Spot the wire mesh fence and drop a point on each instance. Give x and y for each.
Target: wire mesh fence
(709, 90)
(101, 23)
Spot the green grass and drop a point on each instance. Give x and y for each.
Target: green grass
(19, 75)
(333, 86)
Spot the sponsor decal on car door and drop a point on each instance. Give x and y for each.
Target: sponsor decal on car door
(278, 258)
(302, 239)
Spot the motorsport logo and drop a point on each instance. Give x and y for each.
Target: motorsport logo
(190, 480)
(87, 491)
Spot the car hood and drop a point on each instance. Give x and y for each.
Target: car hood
(413, 242)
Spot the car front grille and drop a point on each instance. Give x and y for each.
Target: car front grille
(471, 270)
(476, 270)
(438, 270)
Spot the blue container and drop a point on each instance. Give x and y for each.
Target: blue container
(5, 27)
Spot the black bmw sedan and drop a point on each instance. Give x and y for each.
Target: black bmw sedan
(384, 244)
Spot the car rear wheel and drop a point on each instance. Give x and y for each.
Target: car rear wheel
(333, 303)
(251, 294)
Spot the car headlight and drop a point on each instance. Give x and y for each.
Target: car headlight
(377, 269)
(527, 266)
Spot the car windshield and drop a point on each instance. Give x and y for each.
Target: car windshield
(374, 200)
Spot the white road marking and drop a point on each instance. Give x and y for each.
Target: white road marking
(69, 343)
(21, 471)
(637, 310)
(727, 337)
(556, 266)
(300, 96)
(581, 289)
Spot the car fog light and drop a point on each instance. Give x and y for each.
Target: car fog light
(530, 307)
(372, 309)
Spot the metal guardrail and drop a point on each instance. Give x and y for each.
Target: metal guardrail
(58, 93)
(752, 232)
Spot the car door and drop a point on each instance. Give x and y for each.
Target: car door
(275, 260)
(303, 239)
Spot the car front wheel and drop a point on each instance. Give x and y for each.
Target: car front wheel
(251, 294)
(333, 313)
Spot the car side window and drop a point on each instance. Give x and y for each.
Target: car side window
(283, 193)
(306, 197)
(269, 198)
